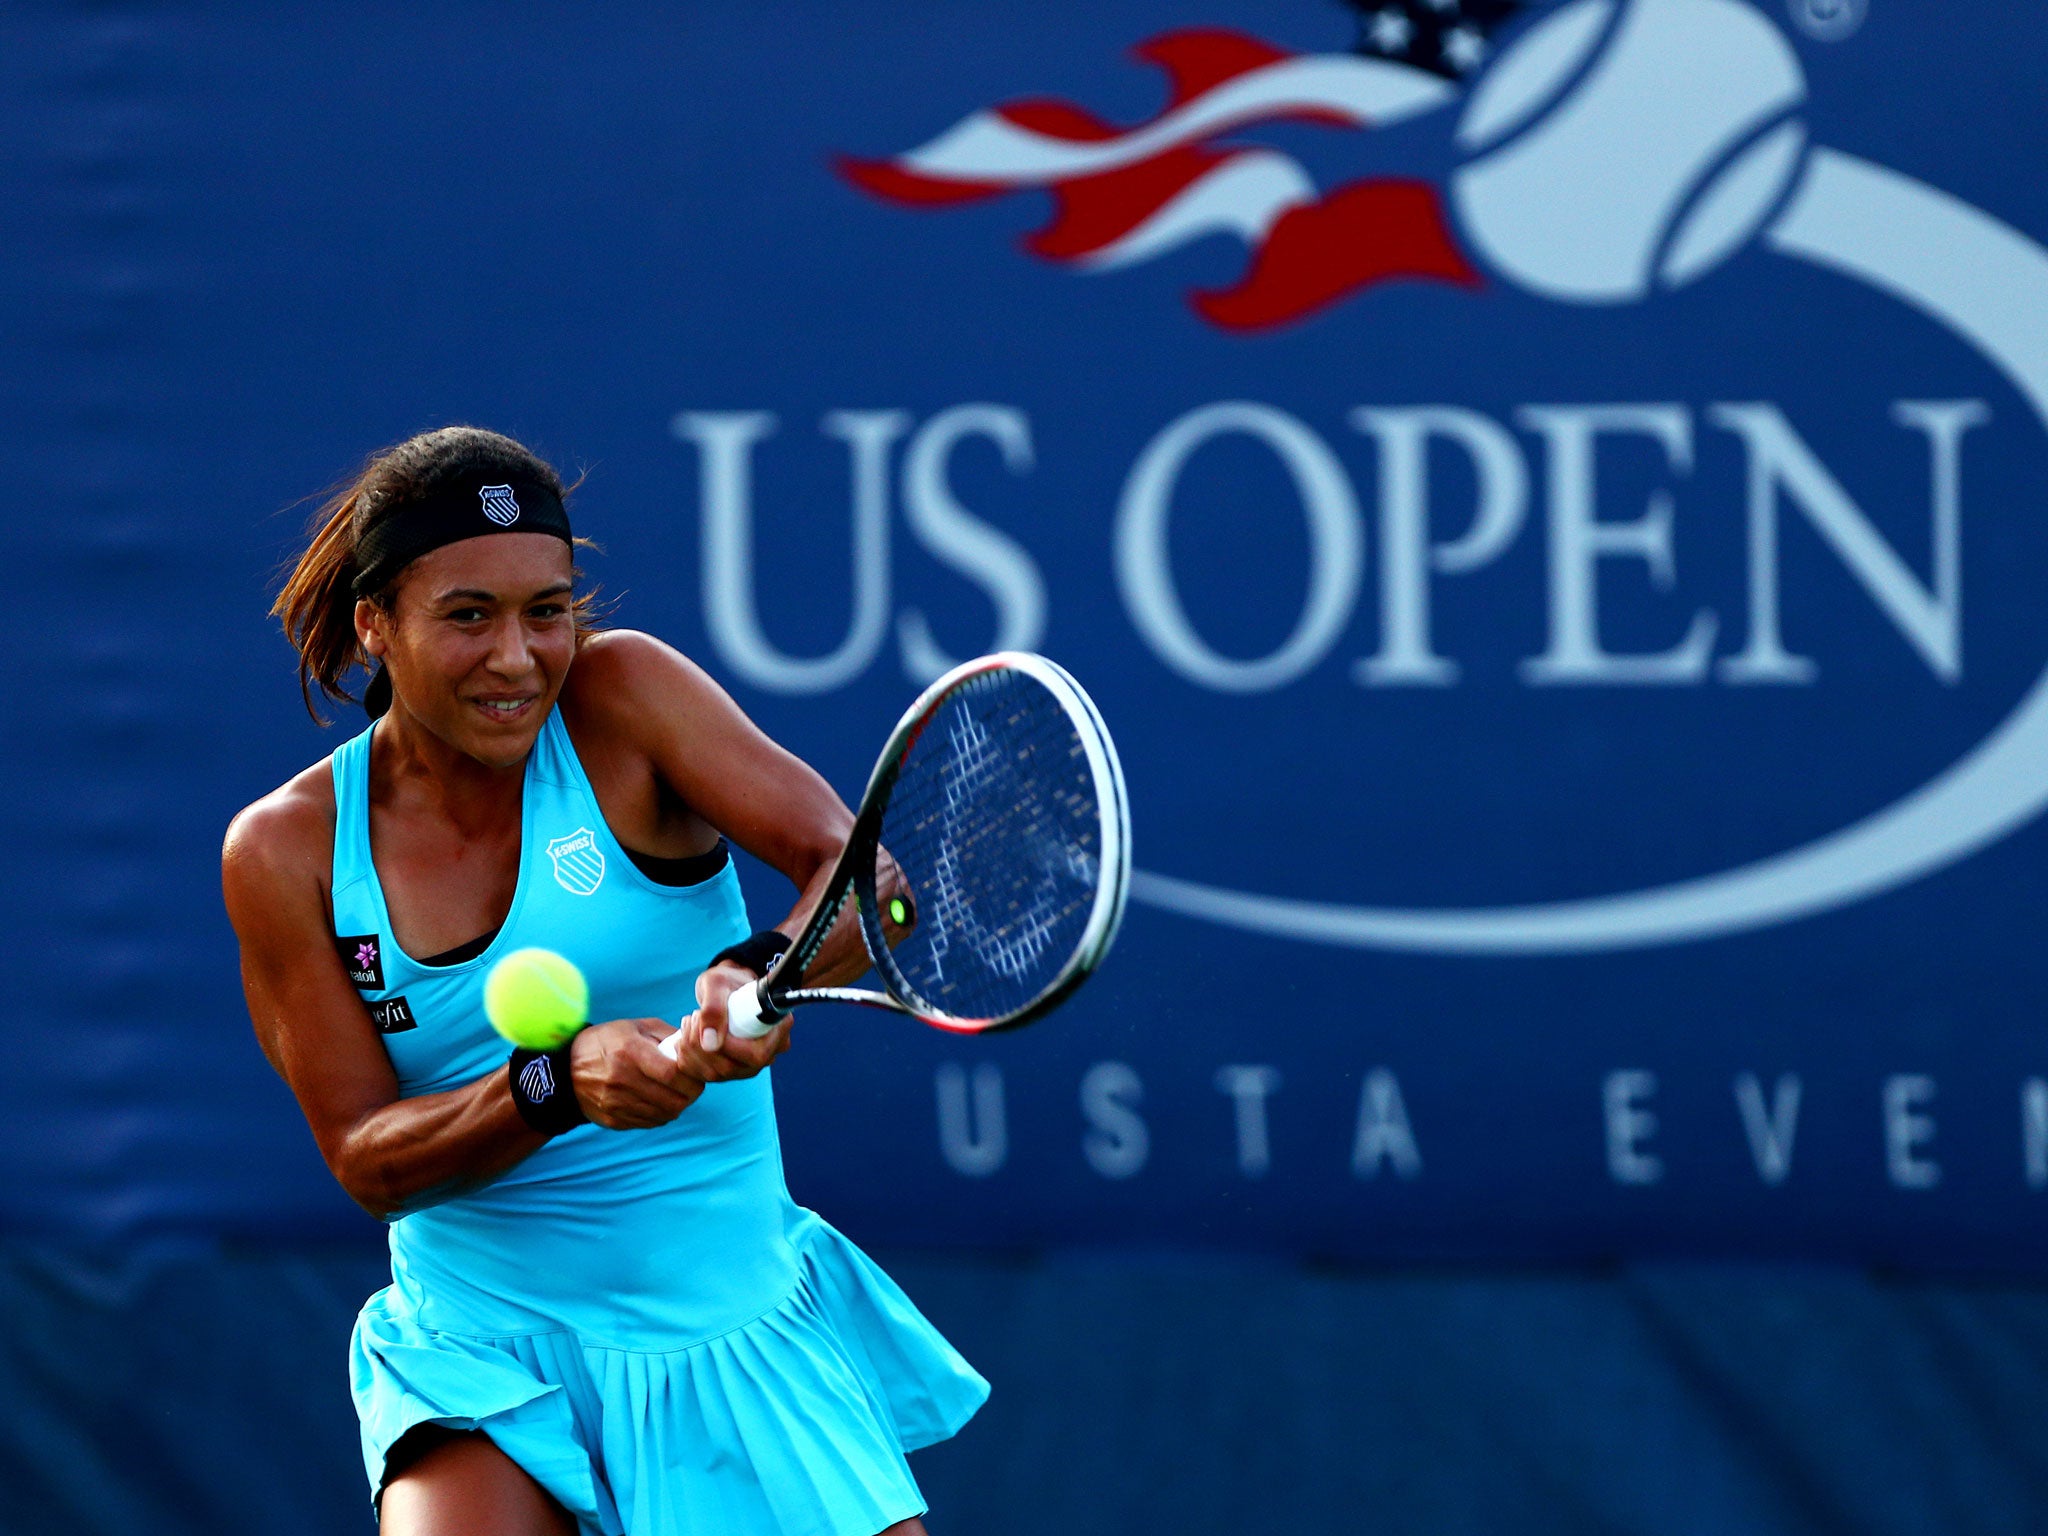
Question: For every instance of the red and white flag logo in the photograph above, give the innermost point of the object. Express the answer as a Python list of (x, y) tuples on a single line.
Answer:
[(1125, 195), (1612, 148)]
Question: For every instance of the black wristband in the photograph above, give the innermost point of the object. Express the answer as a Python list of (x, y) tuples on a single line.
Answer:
[(543, 1091), (757, 954)]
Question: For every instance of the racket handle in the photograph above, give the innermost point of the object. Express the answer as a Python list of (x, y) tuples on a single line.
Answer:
[(743, 1021), (743, 1013)]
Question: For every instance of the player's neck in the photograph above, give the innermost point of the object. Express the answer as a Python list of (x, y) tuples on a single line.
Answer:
[(410, 762)]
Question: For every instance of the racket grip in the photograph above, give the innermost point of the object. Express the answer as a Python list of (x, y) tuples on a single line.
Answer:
[(743, 1013), (743, 1021)]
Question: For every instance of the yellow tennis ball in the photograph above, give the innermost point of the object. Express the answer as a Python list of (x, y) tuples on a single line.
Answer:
[(535, 998)]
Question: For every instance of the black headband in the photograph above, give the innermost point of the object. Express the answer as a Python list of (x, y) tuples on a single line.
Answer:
[(458, 509)]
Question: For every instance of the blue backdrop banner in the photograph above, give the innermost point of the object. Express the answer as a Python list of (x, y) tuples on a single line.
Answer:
[(1547, 496)]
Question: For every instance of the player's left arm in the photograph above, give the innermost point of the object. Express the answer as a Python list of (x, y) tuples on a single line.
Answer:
[(642, 694)]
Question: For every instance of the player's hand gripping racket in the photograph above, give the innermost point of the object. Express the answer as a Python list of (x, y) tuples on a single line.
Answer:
[(1000, 800)]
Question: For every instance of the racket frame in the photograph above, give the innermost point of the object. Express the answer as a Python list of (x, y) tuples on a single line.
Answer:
[(853, 877)]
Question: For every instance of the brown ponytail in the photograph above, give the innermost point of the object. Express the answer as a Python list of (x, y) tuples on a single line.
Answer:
[(317, 603)]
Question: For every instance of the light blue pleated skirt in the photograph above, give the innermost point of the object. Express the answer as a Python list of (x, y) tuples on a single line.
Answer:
[(792, 1424)]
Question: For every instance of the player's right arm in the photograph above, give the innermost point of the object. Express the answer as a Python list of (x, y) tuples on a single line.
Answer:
[(391, 1154)]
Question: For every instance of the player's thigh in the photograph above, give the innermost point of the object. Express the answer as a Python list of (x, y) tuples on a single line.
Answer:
[(462, 1485), (911, 1527)]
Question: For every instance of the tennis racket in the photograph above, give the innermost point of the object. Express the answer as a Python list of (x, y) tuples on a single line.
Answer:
[(1001, 801)]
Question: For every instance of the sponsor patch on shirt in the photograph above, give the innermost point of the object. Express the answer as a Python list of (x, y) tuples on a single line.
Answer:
[(392, 1016), (363, 955)]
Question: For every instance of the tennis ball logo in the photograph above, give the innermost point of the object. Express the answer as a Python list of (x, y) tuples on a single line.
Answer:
[(1621, 147)]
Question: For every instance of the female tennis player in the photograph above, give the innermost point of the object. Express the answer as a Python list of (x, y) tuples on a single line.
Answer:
[(605, 1313)]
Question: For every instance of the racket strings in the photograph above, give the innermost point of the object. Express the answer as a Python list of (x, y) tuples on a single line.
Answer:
[(995, 822)]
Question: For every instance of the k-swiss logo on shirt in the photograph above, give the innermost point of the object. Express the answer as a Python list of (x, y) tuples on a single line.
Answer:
[(363, 955), (393, 1016), (500, 505), (579, 862)]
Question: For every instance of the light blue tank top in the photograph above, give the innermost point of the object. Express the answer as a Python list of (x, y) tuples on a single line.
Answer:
[(651, 1239)]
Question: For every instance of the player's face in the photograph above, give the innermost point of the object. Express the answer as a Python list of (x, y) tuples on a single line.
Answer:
[(478, 639)]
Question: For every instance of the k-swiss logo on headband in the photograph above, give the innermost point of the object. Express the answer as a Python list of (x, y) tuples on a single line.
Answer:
[(500, 505), (363, 956), (393, 1016), (579, 862)]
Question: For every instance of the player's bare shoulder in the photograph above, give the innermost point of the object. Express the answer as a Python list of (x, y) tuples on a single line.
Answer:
[(282, 845), (628, 685)]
